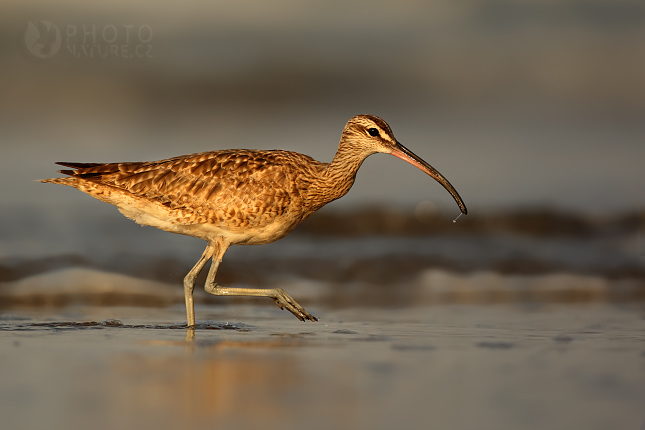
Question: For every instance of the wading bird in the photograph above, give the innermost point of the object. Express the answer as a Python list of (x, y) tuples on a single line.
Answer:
[(239, 196)]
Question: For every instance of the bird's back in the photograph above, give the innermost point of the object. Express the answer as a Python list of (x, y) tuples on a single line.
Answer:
[(249, 196)]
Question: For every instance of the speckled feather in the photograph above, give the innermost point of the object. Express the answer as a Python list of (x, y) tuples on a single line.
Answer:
[(230, 189)]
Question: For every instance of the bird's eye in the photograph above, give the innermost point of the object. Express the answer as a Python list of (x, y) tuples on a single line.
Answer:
[(373, 132)]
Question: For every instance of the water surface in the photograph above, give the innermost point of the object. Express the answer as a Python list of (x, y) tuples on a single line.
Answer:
[(253, 366)]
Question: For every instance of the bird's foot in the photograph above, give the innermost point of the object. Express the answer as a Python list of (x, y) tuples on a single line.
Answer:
[(285, 301)]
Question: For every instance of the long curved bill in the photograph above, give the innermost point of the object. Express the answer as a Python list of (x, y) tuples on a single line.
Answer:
[(405, 154)]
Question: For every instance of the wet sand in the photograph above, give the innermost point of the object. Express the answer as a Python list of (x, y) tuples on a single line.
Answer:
[(253, 366)]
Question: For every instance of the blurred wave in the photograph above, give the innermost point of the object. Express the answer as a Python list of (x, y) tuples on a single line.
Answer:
[(369, 256)]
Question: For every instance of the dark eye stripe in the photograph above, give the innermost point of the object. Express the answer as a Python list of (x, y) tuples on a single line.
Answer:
[(373, 132)]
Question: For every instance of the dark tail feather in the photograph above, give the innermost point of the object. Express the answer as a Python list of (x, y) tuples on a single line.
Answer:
[(77, 165), (88, 170)]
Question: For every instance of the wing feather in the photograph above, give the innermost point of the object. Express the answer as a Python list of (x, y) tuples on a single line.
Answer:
[(239, 186)]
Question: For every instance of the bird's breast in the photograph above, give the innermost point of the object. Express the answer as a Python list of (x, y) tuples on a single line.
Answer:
[(239, 234)]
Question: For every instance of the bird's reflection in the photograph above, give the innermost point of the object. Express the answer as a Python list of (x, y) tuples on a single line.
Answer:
[(216, 382)]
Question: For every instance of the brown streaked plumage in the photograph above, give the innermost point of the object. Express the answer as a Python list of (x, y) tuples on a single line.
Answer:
[(239, 196)]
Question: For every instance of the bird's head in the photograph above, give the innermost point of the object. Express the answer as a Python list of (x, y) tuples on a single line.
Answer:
[(369, 134)]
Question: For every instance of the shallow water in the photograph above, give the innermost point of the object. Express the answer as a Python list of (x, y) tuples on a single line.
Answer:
[(254, 366)]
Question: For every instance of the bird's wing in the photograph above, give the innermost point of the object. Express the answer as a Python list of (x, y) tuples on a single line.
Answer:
[(254, 186)]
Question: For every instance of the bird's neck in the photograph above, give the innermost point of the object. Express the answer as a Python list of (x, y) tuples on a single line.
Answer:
[(337, 179)]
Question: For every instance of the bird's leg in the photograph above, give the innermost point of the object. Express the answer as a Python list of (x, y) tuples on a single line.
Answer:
[(189, 283), (282, 299)]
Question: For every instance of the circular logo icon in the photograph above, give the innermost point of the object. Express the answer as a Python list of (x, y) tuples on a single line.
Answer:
[(42, 39)]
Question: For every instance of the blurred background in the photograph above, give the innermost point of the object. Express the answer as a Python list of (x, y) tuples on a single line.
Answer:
[(532, 109)]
